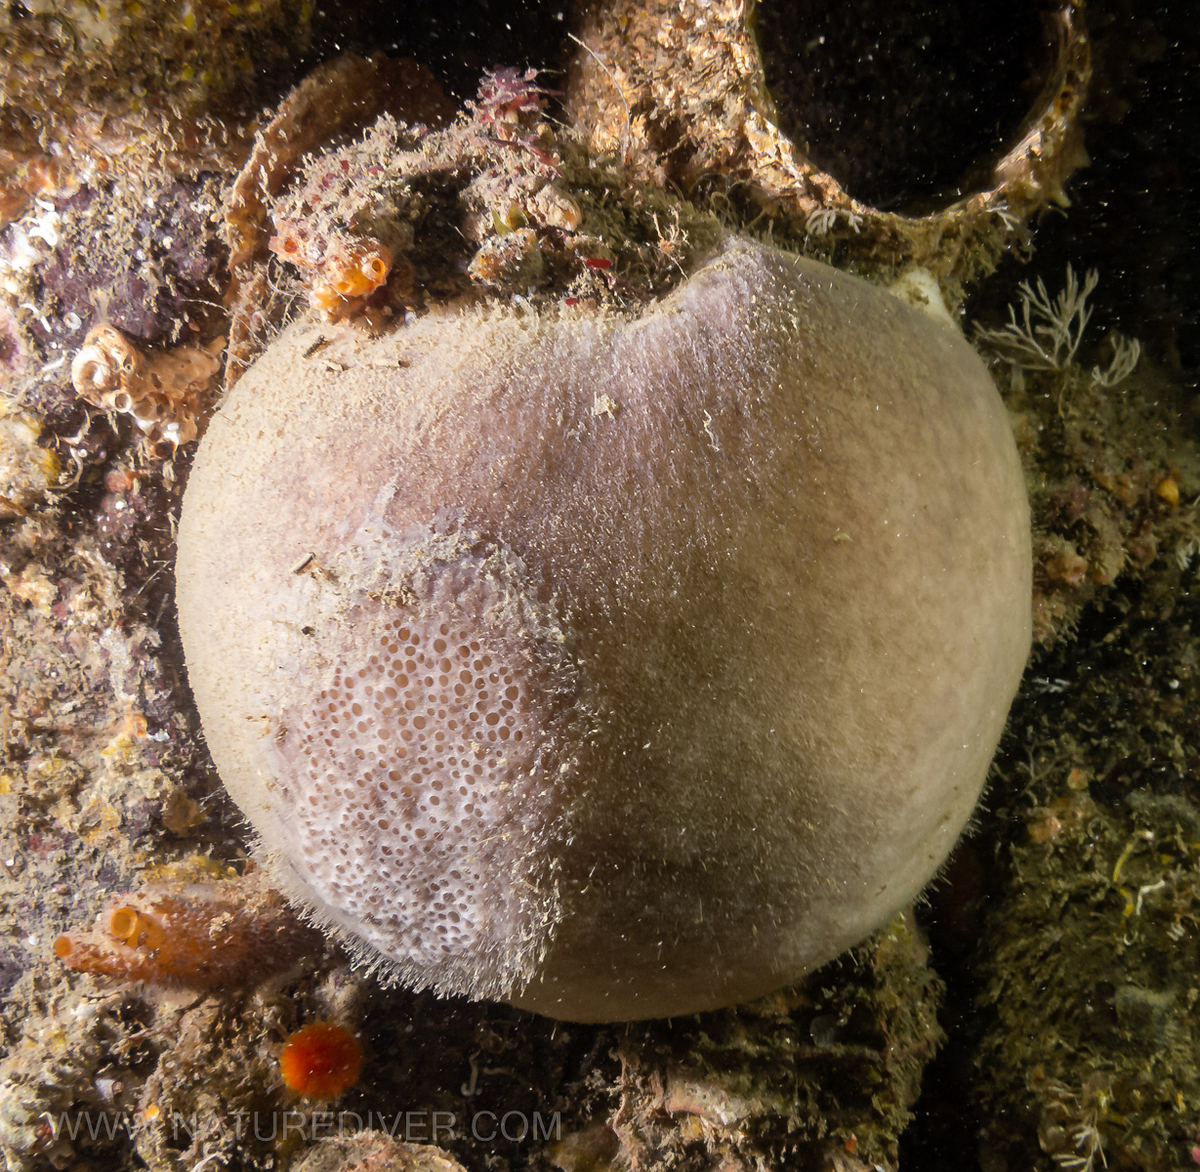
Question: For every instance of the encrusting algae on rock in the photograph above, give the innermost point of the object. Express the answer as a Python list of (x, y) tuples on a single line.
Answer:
[(611, 713)]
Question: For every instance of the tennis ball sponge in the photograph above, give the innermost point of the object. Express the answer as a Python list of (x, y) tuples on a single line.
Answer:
[(615, 667)]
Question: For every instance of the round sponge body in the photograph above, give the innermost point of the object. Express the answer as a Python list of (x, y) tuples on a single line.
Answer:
[(614, 667)]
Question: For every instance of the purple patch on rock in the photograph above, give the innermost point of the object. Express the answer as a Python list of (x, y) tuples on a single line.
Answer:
[(145, 289)]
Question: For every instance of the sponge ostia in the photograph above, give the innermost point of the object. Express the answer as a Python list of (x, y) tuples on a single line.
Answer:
[(612, 667)]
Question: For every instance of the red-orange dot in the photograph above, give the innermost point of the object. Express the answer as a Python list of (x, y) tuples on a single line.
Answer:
[(321, 1060), (62, 947)]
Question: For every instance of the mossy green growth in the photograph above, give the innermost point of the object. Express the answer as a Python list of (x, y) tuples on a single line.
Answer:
[(1088, 969), (820, 1074), (56, 59)]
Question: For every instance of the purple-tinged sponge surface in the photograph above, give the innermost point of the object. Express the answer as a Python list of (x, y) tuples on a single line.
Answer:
[(612, 667)]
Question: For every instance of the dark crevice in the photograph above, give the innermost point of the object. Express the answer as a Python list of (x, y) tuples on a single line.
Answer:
[(897, 98), (458, 39)]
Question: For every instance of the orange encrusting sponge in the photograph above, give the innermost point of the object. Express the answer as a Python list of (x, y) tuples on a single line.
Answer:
[(321, 1060), (204, 935)]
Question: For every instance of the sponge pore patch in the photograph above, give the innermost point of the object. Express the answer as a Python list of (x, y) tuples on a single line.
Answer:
[(409, 767)]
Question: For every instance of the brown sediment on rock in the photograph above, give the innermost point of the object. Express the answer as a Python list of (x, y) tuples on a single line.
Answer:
[(787, 1075), (679, 91), (1088, 921), (74, 54), (373, 1152), (91, 94), (28, 471), (92, 147)]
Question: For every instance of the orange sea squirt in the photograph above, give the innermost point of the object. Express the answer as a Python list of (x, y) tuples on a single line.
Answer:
[(227, 935), (321, 1060)]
